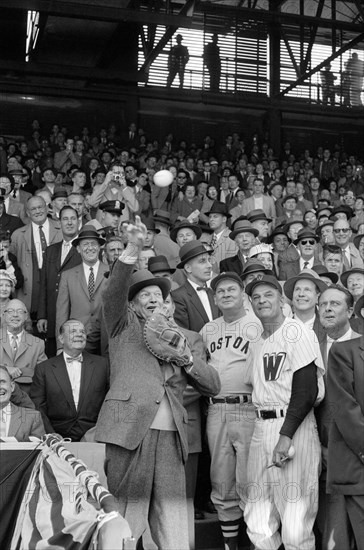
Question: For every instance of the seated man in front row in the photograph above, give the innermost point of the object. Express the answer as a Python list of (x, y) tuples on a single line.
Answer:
[(18, 422), (69, 389), (143, 421)]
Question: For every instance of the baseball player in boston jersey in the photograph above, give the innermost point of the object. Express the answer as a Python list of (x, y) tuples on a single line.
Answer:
[(284, 457), (231, 415)]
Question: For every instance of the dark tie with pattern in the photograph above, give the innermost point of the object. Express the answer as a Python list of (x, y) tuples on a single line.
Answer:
[(43, 242), (91, 283)]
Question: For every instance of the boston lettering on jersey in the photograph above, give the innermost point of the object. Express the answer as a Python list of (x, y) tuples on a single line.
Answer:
[(273, 364), (227, 341)]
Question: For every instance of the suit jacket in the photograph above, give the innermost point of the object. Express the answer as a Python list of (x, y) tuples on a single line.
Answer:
[(234, 264), (355, 258), (21, 246), (324, 412), (49, 282), (17, 209), (23, 196), (52, 394), (10, 223), (24, 423), (345, 383), (269, 206), (73, 301), (225, 248), (138, 380), (190, 313), (30, 352)]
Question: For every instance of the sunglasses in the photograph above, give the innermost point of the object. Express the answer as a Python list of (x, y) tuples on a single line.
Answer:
[(308, 241), (343, 230)]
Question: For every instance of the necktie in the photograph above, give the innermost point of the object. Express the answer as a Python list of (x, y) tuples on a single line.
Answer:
[(305, 264), (43, 242), (91, 283), (213, 241), (14, 193), (78, 358), (14, 345), (202, 288)]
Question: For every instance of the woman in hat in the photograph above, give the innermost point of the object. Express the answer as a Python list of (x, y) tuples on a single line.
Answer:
[(264, 253), (7, 287), (187, 207)]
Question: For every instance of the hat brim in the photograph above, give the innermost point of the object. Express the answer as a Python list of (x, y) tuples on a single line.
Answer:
[(334, 277), (357, 240), (306, 237), (289, 285), (226, 214), (77, 241), (230, 275), (195, 228), (236, 232), (345, 275), (358, 307), (161, 282), (254, 219), (193, 255), (162, 220)]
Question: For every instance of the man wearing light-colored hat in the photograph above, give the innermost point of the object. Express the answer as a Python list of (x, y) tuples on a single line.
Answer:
[(142, 420)]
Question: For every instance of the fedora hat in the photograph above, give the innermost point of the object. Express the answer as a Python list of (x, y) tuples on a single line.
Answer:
[(280, 230), (306, 275), (243, 226), (325, 224), (252, 265), (162, 216), (305, 233), (258, 214), (359, 306), (191, 250), (292, 222), (142, 278), (357, 240), (150, 225), (88, 232), (159, 263), (345, 275), (219, 208), (287, 197), (60, 194), (322, 270), (343, 208), (267, 280), (182, 225)]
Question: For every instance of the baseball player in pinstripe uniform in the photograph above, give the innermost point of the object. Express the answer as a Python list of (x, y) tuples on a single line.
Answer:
[(231, 415), (284, 378)]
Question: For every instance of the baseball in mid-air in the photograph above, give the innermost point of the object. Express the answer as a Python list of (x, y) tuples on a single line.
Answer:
[(163, 178), (291, 451)]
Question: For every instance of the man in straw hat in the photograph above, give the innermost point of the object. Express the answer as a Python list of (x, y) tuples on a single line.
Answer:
[(142, 420)]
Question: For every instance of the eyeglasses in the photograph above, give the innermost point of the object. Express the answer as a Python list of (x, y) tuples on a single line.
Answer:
[(15, 311), (308, 241), (344, 230)]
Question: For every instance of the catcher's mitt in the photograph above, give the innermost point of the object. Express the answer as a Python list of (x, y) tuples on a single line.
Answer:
[(166, 341)]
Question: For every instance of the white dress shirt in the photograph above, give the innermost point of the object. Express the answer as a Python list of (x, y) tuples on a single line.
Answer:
[(74, 369), (258, 203), (202, 294), (5, 416), (310, 263), (66, 247), (37, 243)]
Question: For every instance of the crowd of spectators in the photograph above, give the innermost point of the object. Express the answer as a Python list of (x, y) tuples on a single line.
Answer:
[(65, 202)]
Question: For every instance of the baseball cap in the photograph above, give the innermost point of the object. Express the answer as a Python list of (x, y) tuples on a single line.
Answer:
[(231, 275), (267, 280)]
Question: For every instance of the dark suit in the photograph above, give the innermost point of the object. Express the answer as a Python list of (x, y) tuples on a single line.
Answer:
[(22, 245), (232, 264), (24, 423), (52, 394), (10, 223), (49, 282), (190, 312), (345, 466)]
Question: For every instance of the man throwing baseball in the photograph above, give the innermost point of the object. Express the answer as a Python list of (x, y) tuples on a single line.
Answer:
[(284, 457), (143, 421)]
